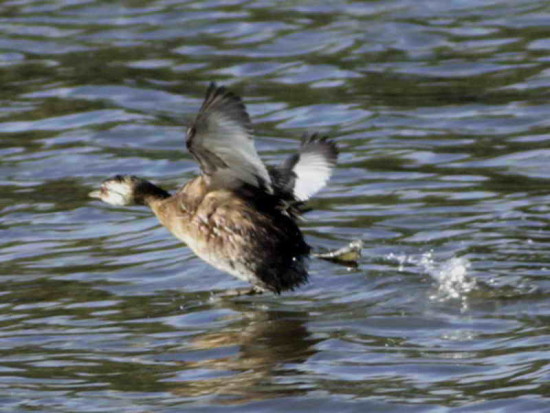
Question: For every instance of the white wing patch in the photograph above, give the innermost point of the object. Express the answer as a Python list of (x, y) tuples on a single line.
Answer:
[(313, 170)]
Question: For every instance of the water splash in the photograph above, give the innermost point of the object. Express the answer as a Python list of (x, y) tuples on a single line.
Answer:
[(453, 281)]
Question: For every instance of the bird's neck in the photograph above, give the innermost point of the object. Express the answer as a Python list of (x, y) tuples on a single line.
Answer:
[(150, 194)]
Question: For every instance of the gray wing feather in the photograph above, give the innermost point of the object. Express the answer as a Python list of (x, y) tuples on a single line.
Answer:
[(221, 141)]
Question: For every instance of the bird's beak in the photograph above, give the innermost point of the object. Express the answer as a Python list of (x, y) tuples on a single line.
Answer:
[(95, 194)]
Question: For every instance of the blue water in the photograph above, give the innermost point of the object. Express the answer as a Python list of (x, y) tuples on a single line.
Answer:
[(441, 112)]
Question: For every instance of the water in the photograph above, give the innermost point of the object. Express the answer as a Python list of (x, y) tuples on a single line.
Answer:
[(441, 112)]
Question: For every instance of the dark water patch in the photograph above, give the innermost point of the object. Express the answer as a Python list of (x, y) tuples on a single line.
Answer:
[(440, 111)]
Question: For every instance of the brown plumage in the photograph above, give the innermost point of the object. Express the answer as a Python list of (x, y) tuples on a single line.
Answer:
[(238, 215)]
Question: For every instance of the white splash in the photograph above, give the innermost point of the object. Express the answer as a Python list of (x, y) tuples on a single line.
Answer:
[(453, 281), (403, 260)]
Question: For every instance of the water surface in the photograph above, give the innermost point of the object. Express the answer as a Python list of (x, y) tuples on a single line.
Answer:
[(441, 112)]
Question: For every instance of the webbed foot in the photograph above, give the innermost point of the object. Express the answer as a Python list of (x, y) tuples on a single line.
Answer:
[(348, 255)]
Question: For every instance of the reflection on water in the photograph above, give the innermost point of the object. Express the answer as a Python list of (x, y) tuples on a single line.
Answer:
[(261, 345), (441, 112)]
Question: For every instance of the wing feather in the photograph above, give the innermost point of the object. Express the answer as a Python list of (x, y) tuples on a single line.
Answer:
[(221, 141), (306, 172)]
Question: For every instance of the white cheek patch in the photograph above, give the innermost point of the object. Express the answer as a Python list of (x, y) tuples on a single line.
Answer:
[(117, 193), (115, 198)]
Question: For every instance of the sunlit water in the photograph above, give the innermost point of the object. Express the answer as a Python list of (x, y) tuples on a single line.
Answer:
[(441, 110)]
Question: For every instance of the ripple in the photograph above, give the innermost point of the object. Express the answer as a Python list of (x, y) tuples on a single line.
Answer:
[(69, 121), (440, 114)]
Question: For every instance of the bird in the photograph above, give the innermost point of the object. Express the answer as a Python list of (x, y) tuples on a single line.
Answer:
[(239, 215)]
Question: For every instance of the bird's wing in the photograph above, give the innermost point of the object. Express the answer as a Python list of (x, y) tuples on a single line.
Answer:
[(221, 141), (310, 169)]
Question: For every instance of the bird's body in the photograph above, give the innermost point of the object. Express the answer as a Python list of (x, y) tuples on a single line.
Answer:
[(255, 243), (238, 215)]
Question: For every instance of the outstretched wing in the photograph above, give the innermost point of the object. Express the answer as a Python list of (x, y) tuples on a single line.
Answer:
[(306, 172), (221, 141)]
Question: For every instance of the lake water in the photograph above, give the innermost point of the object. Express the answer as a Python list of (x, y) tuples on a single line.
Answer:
[(441, 110)]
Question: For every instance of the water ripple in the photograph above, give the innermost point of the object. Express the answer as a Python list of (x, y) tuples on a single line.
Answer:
[(440, 112)]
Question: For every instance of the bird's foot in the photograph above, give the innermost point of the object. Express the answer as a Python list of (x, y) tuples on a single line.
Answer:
[(237, 292), (348, 255)]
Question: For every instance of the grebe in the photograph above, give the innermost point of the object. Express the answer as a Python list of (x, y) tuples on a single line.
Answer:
[(239, 215)]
